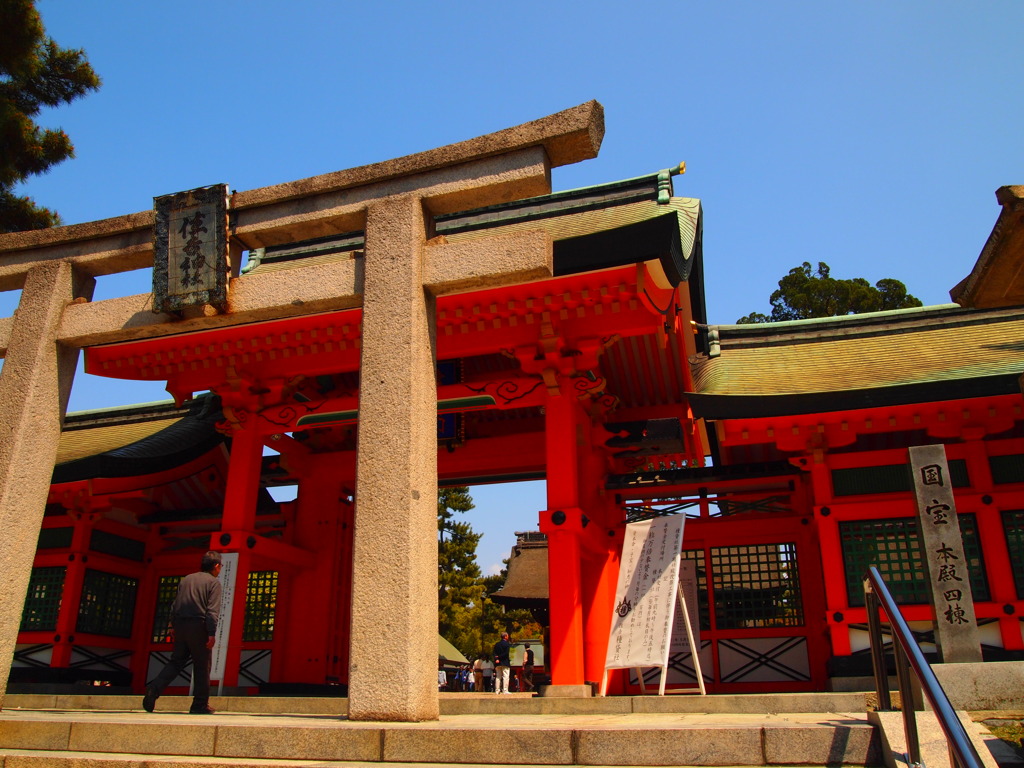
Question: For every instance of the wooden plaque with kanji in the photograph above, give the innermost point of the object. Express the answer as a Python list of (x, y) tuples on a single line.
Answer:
[(190, 265)]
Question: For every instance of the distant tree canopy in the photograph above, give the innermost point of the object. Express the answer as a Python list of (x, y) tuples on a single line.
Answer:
[(459, 587), (805, 293), (34, 73)]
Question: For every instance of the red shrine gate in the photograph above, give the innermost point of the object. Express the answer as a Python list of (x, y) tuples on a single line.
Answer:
[(527, 376), (587, 378)]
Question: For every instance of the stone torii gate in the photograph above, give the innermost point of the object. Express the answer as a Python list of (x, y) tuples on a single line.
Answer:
[(394, 594)]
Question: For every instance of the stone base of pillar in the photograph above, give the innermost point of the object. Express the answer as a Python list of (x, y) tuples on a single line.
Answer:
[(566, 691), (983, 685)]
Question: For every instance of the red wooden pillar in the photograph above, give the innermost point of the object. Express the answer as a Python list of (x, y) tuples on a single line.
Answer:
[(243, 481), (565, 607), (315, 642), (601, 573), (145, 613), (562, 524), (339, 638), (992, 539), (831, 554), (239, 522), (71, 595)]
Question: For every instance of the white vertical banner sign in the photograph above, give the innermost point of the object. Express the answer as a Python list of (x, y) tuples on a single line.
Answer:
[(645, 598), (228, 575)]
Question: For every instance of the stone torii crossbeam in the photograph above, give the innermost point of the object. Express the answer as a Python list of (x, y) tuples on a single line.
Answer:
[(394, 591)]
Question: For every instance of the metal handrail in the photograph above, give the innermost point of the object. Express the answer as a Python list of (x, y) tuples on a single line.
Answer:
[(962, 753)]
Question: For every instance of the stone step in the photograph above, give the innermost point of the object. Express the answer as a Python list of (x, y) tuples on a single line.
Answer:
[(993, 752), (636, 739), (473, 704), (42, 759)]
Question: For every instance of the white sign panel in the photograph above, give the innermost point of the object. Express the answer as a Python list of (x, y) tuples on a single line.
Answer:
[(688, 585), (228, 574), (645, 597)]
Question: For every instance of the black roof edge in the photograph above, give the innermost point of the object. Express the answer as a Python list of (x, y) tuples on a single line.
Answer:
[(651, 239), (695, 275)]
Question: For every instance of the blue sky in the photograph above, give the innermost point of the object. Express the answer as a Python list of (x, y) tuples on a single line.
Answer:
[(869, 135)]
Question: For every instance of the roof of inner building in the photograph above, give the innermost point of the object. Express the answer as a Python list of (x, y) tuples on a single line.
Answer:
[(859, 361), (527, 579), (79, 443), (136, 440), (997, 279)]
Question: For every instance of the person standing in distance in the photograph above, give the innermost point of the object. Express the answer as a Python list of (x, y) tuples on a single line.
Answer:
[(487, 670), (527, 667), (478, 674), (501, 663), (194, 616)]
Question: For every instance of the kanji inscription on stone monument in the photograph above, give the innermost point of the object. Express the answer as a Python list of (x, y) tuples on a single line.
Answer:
[(956, 631), (190, 264)]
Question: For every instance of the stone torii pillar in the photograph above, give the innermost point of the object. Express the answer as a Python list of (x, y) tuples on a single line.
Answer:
[(394, 586), (34, 391), (394, 580)]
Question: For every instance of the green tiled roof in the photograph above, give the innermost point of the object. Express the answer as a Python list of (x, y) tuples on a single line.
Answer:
[(883, 357), (135, 440), (81, 443)]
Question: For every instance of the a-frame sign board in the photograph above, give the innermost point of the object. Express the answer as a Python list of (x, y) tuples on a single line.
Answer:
[(692, 640), (646, 595)]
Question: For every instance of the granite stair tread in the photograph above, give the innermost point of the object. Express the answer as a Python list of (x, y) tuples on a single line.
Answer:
[(522, 739), (53, 759)]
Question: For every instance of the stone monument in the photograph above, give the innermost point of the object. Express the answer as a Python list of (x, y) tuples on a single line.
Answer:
[(942, 547)]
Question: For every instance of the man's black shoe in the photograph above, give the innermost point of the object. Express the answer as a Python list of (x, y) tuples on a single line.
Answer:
[(149, 700), (207, 710)]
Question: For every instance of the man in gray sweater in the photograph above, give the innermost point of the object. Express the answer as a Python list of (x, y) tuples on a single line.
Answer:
[(194, 616)]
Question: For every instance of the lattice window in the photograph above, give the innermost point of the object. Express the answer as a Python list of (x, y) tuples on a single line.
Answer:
[(894, 547), (166, 591), (42, 601), (1013, 526), (260, 606), (107, 606), (756, 586)]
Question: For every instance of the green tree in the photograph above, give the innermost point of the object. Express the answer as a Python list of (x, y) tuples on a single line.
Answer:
[(34, 73), (466, 615), (460, 590), (805, 293)]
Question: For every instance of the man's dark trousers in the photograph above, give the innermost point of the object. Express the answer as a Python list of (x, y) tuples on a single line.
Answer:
[(190, 638)]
